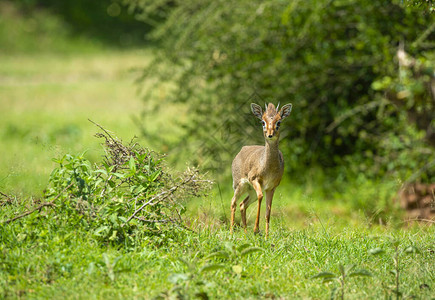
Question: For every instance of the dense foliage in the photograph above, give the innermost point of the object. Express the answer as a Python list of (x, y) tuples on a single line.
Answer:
[(326, 57)]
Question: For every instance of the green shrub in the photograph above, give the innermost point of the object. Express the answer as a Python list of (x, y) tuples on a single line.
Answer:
[(127, 196), (322, 56)]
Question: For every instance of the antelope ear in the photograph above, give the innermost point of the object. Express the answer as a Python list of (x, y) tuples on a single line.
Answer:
[(285, 111), (257, 111)]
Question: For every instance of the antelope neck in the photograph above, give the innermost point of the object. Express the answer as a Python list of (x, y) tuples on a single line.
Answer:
[(271, 152)]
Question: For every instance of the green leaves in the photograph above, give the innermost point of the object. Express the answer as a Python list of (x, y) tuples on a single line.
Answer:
[(132, 165), (376, 251), (411, 249), (212, 267), (111, 266), (229, 260), (233, 256), (178, 277), (250, 250), (344, 272), (361, 272), (408, 250), (237, 269), (326, 276), (395, 243)]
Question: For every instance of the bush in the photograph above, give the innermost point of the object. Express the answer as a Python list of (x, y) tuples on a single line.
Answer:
[(128, 195)]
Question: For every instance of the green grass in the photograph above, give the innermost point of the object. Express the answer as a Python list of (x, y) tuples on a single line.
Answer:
[(66, 264)]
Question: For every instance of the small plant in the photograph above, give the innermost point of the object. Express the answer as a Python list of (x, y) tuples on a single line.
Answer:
[(232, 255), (395, 288), (110, 266), (189, 281), (345, 272)]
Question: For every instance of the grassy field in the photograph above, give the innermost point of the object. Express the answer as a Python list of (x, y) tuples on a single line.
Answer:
[(46, 101), (68, 264)]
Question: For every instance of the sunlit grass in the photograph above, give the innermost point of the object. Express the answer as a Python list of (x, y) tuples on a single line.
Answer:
[(73, 265)]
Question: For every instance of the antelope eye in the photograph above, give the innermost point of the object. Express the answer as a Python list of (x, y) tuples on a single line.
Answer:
[(278, 124), (264, 124)]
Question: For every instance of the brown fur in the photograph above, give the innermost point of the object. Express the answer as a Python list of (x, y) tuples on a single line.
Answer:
[(259, 168)]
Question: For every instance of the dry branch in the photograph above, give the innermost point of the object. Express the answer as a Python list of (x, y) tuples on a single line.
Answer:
[(162, 196), (51, 203), (7, 200)]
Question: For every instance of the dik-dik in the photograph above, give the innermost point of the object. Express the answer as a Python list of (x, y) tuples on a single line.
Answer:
[(258, 169)]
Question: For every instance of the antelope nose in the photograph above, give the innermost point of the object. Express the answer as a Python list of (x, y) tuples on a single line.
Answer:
[(270, 136)]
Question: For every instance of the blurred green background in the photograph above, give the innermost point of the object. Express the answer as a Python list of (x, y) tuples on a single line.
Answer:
[(180, 75), (62, 63)]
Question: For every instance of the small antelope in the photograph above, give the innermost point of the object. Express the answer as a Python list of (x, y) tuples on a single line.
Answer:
[(257, 168)]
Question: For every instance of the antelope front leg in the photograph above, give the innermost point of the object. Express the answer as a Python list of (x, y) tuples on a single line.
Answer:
[(237, 194), (269, 197), (257, 189), (233, 212), (243, 205)]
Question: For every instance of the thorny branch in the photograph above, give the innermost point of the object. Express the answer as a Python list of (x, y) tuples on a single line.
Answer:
[(108, 134)]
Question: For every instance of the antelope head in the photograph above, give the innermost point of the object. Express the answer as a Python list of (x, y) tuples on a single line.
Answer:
[(271, 118)]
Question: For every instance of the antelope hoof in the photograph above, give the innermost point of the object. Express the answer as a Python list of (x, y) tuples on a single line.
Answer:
[(257, 232)]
